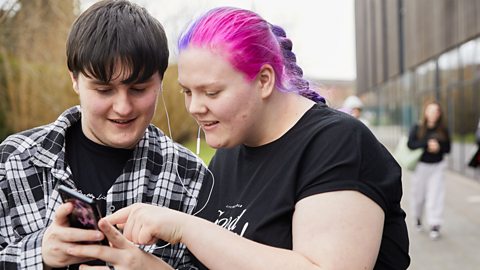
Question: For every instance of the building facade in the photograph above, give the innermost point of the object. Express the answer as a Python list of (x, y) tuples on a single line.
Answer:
[(409, 51)]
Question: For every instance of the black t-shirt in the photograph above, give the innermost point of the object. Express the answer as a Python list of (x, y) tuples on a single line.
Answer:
[(256, 188), (94, 167)]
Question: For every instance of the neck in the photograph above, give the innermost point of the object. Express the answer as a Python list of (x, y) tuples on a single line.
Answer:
[(282, 111)]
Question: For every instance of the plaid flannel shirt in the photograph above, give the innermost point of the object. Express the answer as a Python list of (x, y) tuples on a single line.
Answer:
[(32, 165)]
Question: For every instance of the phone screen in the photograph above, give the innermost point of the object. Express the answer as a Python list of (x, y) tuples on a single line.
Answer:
[(85, 213)]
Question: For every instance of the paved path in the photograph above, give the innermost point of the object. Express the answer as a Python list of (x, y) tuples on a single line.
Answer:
[(459, 245)]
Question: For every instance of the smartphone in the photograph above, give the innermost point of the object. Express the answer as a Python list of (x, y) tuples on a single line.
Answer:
[(85, 214)]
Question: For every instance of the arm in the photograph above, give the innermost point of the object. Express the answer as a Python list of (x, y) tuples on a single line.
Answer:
[(446, 144), (332, 230), (21, 220), (436, 145), (24, 254), (16, 251), (413, 141), (346, 234), (339, 230), (477, 134)]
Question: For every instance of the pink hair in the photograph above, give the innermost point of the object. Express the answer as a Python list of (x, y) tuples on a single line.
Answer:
[(248, 42)]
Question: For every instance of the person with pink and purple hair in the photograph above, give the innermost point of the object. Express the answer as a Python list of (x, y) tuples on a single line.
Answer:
[(298, 185)]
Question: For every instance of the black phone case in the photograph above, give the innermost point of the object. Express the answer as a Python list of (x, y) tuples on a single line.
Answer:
[(85, 214)]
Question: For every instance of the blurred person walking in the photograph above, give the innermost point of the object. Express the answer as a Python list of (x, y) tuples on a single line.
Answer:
[(475, 159), (428, 183), (354, 106)]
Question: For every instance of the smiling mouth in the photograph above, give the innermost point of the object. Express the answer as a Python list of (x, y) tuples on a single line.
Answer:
[(207, 124), (122, 121)]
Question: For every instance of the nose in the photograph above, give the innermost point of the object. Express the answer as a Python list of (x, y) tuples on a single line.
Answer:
[(122, 104), (195, 104)]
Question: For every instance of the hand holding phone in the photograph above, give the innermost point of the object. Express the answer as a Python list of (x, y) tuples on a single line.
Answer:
[(85, 213)]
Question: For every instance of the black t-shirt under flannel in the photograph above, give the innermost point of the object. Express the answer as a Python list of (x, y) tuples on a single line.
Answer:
[(94, 167)]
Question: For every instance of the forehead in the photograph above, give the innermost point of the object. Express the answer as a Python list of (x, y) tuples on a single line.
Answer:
[(122, 70), (203, 66), (121, 74), (433, 107)]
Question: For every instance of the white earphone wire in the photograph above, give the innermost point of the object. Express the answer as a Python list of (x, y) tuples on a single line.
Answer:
[(152, 247)]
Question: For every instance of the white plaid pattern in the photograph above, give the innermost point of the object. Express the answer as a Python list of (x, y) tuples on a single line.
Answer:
[(32, 165)]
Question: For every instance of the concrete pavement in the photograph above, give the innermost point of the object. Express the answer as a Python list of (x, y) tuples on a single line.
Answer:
[(459, 244), (458, 248)]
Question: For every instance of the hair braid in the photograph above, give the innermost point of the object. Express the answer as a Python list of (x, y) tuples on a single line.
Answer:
[(294, 74)]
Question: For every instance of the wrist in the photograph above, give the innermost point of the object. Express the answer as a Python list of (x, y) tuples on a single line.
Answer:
[(190, 225)]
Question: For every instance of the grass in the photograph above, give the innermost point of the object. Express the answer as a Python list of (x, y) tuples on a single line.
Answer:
[(206, 152), (467, 138)]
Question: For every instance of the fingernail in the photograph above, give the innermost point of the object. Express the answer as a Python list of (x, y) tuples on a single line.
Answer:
[(99, 235)]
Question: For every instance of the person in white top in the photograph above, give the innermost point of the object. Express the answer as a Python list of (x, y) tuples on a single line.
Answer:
[(354, 106)]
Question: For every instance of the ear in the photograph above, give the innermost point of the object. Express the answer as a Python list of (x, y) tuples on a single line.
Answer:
[(74, 82), (266, 80)]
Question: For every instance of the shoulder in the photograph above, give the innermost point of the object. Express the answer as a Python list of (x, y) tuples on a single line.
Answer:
[(413, 130), (332, 125), (21, 146), (20, 142), (415, 127), (325, 115), (48, 138), (338, 136)]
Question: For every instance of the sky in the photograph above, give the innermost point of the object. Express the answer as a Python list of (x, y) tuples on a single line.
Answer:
[(322, 31)]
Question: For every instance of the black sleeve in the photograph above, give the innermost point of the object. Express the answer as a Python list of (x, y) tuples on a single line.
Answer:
[(477, 133), (413, 141), (445, 145), (347, 156)]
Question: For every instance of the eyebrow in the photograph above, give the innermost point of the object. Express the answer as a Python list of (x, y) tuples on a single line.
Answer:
[(201, 86), (149, 79), (100, 82), (96, 81)]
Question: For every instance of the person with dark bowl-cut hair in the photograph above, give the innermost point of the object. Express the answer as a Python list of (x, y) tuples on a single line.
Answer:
[(105, 148)]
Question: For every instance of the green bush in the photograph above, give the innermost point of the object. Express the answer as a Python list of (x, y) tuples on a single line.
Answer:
[(206, 152)]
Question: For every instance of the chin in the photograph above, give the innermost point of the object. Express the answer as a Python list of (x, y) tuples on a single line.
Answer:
[(125, 144), (215, 145)]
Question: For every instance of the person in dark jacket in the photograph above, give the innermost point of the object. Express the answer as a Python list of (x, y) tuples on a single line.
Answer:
[(428, 183), (475, 159)]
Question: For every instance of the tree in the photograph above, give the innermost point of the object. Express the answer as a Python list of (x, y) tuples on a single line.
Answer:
[(34, 83)]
